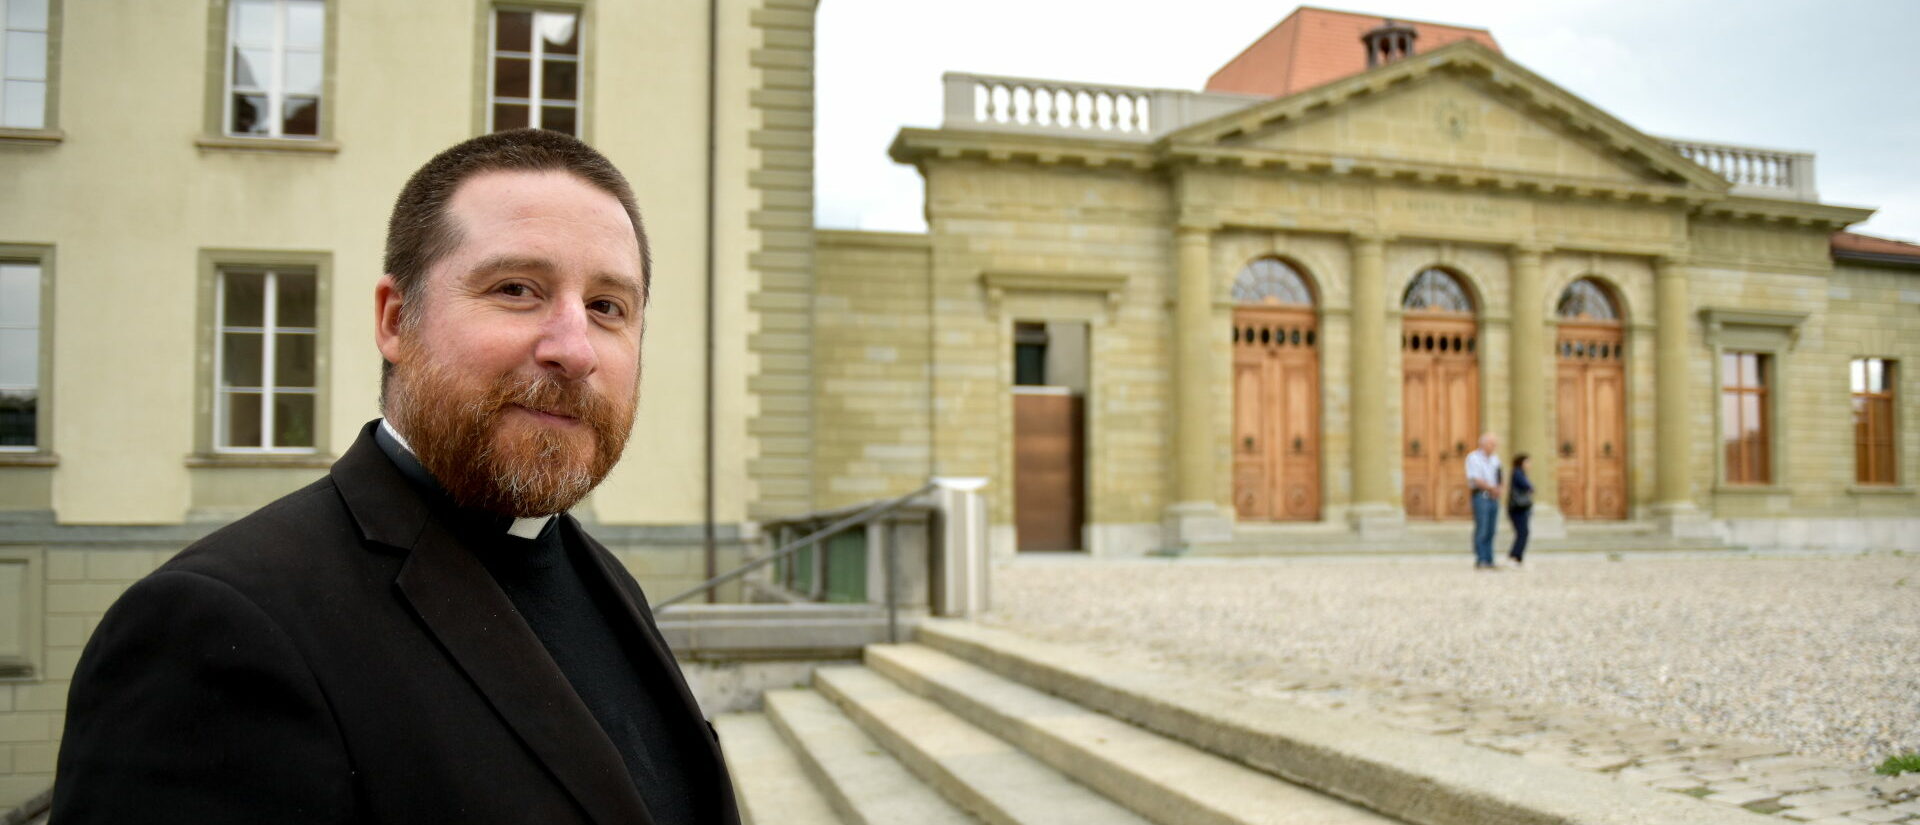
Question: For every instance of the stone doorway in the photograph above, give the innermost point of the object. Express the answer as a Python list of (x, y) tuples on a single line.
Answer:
[(1590, 400), (1276, 395), (1440, 393)]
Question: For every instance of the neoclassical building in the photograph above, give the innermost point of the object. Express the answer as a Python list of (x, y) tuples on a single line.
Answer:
[(1279, 313)]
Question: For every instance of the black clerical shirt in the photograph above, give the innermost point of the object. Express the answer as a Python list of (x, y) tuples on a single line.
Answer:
[(549, 580)]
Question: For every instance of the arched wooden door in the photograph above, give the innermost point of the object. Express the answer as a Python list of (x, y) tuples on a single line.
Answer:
[(1440, 394), (1590, 400), (1276, 395)]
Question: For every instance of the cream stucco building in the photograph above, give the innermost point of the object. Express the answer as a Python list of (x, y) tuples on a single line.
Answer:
[(194, 208)]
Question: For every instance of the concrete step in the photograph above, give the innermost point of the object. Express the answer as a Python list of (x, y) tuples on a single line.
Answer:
[(773, 788), (1167, 781), (983, 774), (860, 781), (1402, 774)]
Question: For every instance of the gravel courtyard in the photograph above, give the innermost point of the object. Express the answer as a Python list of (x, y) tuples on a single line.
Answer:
[(1819, 654)]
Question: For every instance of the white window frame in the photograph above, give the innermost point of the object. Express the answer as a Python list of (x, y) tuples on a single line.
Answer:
[(536, 77), (45, 79), (39, 333), (275, 89), (270, 331)]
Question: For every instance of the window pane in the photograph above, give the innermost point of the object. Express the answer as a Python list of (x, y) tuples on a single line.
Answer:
[(295, 292), (26, 55), (303, 73), (292, 420), (560, 80), (302, 116), (1876, 376), (246, 297), (19, 295), (26, 104), (240, 359), (513, 31), (252, 69), (1730, 369), (306, 23), (511, 78), (19, 415), (560, 32), (1750, 370), (249, 114), (1857, 374), (242, 411), (1750, 417), (293, 359), (253, 22), (509, 116), (1730, 416), (19, 357), (557, 118), (27, 14)]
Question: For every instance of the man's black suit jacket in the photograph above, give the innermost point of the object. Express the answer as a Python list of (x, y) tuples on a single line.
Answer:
[(339, 657)]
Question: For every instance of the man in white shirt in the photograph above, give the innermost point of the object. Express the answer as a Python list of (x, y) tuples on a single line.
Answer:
[(1483, 477)]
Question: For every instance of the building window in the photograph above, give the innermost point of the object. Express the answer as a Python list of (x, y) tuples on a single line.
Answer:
[(19, 356), (265, 357), (23, 64), (1030, 354), (535, 71), (275, 67), (1872, 380), (1744, 377)]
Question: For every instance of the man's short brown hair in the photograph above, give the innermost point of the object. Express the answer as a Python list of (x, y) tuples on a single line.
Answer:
[(420, 233)]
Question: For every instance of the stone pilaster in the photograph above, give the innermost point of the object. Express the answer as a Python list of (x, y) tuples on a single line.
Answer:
[(1374, 448), (1673, 495), (1195, 516), (1528, 387)]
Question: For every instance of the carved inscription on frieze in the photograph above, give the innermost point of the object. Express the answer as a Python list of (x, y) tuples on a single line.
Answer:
[(1436, 209)]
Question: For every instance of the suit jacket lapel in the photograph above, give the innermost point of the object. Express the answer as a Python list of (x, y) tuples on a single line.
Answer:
[(461, 605), (639, 621)]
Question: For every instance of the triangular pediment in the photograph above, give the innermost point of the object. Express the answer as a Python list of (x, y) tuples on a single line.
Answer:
[(1463, 106)]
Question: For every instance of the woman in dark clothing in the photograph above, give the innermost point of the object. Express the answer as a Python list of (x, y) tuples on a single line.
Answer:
[(1520, 508)]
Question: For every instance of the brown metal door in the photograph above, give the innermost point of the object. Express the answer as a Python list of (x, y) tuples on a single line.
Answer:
[(1048, 457), (1591, 407), (1440, 394), (1276, 418)]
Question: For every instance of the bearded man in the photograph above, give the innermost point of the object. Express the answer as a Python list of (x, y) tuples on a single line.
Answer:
[(425, 635)]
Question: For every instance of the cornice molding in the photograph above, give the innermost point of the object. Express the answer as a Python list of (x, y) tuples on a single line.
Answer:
[(1108, 285)]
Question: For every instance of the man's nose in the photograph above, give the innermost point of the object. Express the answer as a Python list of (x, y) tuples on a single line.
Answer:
[(564, 347)]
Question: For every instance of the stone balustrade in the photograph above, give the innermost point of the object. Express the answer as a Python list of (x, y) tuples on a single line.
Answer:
[(1752, 170), (1130, 113), (1019, 104)]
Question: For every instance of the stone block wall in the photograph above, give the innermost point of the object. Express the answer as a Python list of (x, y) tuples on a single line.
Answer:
[(872, 340), (1074, 225)]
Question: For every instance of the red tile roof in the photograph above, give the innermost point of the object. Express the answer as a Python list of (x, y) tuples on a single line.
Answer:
[(1855, 246), (1314, 46)]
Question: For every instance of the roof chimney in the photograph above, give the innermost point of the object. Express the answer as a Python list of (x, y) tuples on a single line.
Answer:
[(1389, 41)]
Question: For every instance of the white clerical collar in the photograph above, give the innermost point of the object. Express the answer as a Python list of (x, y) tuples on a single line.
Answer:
[(523, 528)]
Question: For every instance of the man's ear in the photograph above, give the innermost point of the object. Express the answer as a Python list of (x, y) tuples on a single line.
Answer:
[(386, 318)]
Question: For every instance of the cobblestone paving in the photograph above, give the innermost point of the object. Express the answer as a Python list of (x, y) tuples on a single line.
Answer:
[(1271, 629)]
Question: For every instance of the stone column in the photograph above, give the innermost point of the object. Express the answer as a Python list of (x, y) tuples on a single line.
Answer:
[(1375, 449), (1673, 497), (1195, 517), (1528, 387)]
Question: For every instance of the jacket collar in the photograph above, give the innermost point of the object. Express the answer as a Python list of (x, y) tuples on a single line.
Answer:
[(461, 605)]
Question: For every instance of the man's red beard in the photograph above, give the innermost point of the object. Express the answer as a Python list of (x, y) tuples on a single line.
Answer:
[(521, 470)]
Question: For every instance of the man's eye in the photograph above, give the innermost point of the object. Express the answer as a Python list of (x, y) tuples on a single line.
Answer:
[(515, 290), (605, 307)]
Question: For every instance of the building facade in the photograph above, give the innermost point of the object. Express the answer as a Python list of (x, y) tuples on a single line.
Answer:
[(1298, 302), (194, 208)]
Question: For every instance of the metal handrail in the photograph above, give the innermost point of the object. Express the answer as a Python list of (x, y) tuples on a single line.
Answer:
[(811, 539)]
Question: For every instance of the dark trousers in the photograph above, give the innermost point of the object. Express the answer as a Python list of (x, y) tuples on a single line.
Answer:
[(1521, 518)]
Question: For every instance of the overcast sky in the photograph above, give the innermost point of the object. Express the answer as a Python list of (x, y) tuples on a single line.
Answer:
[(1839, 79)]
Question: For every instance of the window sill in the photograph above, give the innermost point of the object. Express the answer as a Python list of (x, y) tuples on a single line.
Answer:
[(246, 144), (24, 459), (32, 137), (1750, 490), (270, 460), (1880, 490)]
